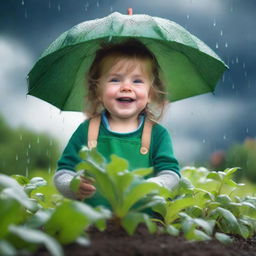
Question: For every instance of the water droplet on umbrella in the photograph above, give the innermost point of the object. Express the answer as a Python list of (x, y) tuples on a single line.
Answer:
[(217, 46)]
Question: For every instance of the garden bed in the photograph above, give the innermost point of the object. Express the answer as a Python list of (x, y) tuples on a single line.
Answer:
[(116, 242)]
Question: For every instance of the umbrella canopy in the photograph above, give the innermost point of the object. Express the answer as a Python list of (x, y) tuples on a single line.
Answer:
[(188, 66)]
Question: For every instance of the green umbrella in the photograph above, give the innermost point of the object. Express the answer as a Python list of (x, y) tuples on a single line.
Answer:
[(189, 67)]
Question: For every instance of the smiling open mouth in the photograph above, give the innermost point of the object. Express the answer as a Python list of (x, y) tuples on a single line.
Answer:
[(125, 99)]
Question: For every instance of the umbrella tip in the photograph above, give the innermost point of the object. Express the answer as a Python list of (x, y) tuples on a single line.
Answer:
[(129, 11)]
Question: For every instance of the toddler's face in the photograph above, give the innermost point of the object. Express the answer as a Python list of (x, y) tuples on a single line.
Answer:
[(125, 87)]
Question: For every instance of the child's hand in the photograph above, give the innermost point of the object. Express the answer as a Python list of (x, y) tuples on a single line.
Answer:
[(86, 189)]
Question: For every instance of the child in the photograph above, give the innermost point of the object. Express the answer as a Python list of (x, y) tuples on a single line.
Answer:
[(125, 99)]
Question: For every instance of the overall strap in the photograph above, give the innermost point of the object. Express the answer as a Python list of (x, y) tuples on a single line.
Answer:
[(93, 132)]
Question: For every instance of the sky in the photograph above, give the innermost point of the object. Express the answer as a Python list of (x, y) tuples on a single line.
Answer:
[(199, 125)]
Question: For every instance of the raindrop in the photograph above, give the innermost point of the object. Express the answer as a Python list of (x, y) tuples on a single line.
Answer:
[(223, 78), (233, 86), (17, 157), (217, 46), (221, 33), (26, 171), (203, 140), (50, 142), (21, 137), (245, 73), (243, 65), (27, 153), (226, 45), (49, 170), (59, 7), (111, 8), (188, 16), (98, 4), (49, 4), (214, 22), (110, 38), (22, 2), (224, 137), (28, 161), (26, 14), (247, 130), (38, 140), (29, 145), (237, 60)]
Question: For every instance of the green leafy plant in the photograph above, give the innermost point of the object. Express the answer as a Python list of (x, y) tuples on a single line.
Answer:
[(127, 192), (26, 225)]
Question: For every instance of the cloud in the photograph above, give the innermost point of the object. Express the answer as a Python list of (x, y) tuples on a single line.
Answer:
[(200, 124), (21, 110)]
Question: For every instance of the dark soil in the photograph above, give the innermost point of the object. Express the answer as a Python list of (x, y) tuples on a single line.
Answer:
[(115, 242)]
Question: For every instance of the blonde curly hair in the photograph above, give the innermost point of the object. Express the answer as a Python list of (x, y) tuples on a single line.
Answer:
[(130, 49)]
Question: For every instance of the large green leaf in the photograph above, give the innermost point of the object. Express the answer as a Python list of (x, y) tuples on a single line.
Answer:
[(103, 183), (229, 220), (59, 224), (20, 196), (37, 237), (136, 193), (132, 219), (223, 238), (7, 249), (11, 212), (174, 208)]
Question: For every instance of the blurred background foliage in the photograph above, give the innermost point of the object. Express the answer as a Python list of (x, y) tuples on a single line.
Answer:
[(23, 151), (238, 155)]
